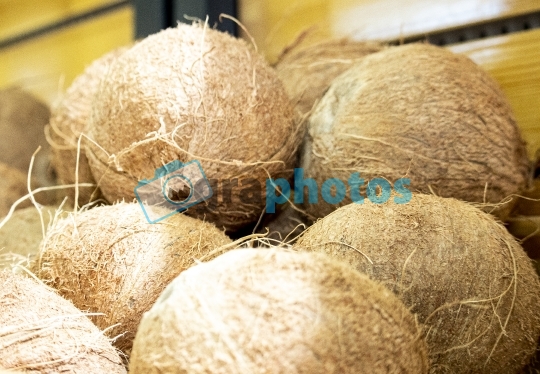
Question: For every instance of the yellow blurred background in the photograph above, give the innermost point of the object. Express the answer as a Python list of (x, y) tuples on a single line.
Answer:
[(46, 65), (513, 59)]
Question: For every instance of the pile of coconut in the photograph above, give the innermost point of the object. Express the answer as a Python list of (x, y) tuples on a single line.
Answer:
[(378, 176)]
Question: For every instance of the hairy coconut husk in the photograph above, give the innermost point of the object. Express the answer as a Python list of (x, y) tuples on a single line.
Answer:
[(275, 311), (22, 233), (110, 260), (22, 120), (193, 93), (41, 332), (420, 112), (69, 120), (307, 72), (458, 269)]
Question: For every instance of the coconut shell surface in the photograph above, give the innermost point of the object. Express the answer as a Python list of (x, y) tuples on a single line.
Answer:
[(454, 266), (42, 332), (69, 120), (419, 112), (274, 311), (22, 120), (110, 260), (307, 72), (193, 93)]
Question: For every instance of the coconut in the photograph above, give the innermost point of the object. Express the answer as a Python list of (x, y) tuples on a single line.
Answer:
[(193, 93), (110, 260), (21, 234), (22, 120), (275, 311), (69, 120), (420, 112), (459, 270), (307, 72), (43, 333)]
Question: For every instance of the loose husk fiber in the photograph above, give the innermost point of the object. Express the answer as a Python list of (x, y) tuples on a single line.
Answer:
[(419, 112), (285, 225), (110, 260), (194, 93), (40, 332), (275, 311), (459, 270)]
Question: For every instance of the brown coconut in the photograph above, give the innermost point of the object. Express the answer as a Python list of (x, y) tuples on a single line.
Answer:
[(307, 72), (194, 93), (460, 272), (22, 120), (41, 332), (420, 112), (69, 121), (274, 311), (21, 235), (110, 260)]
